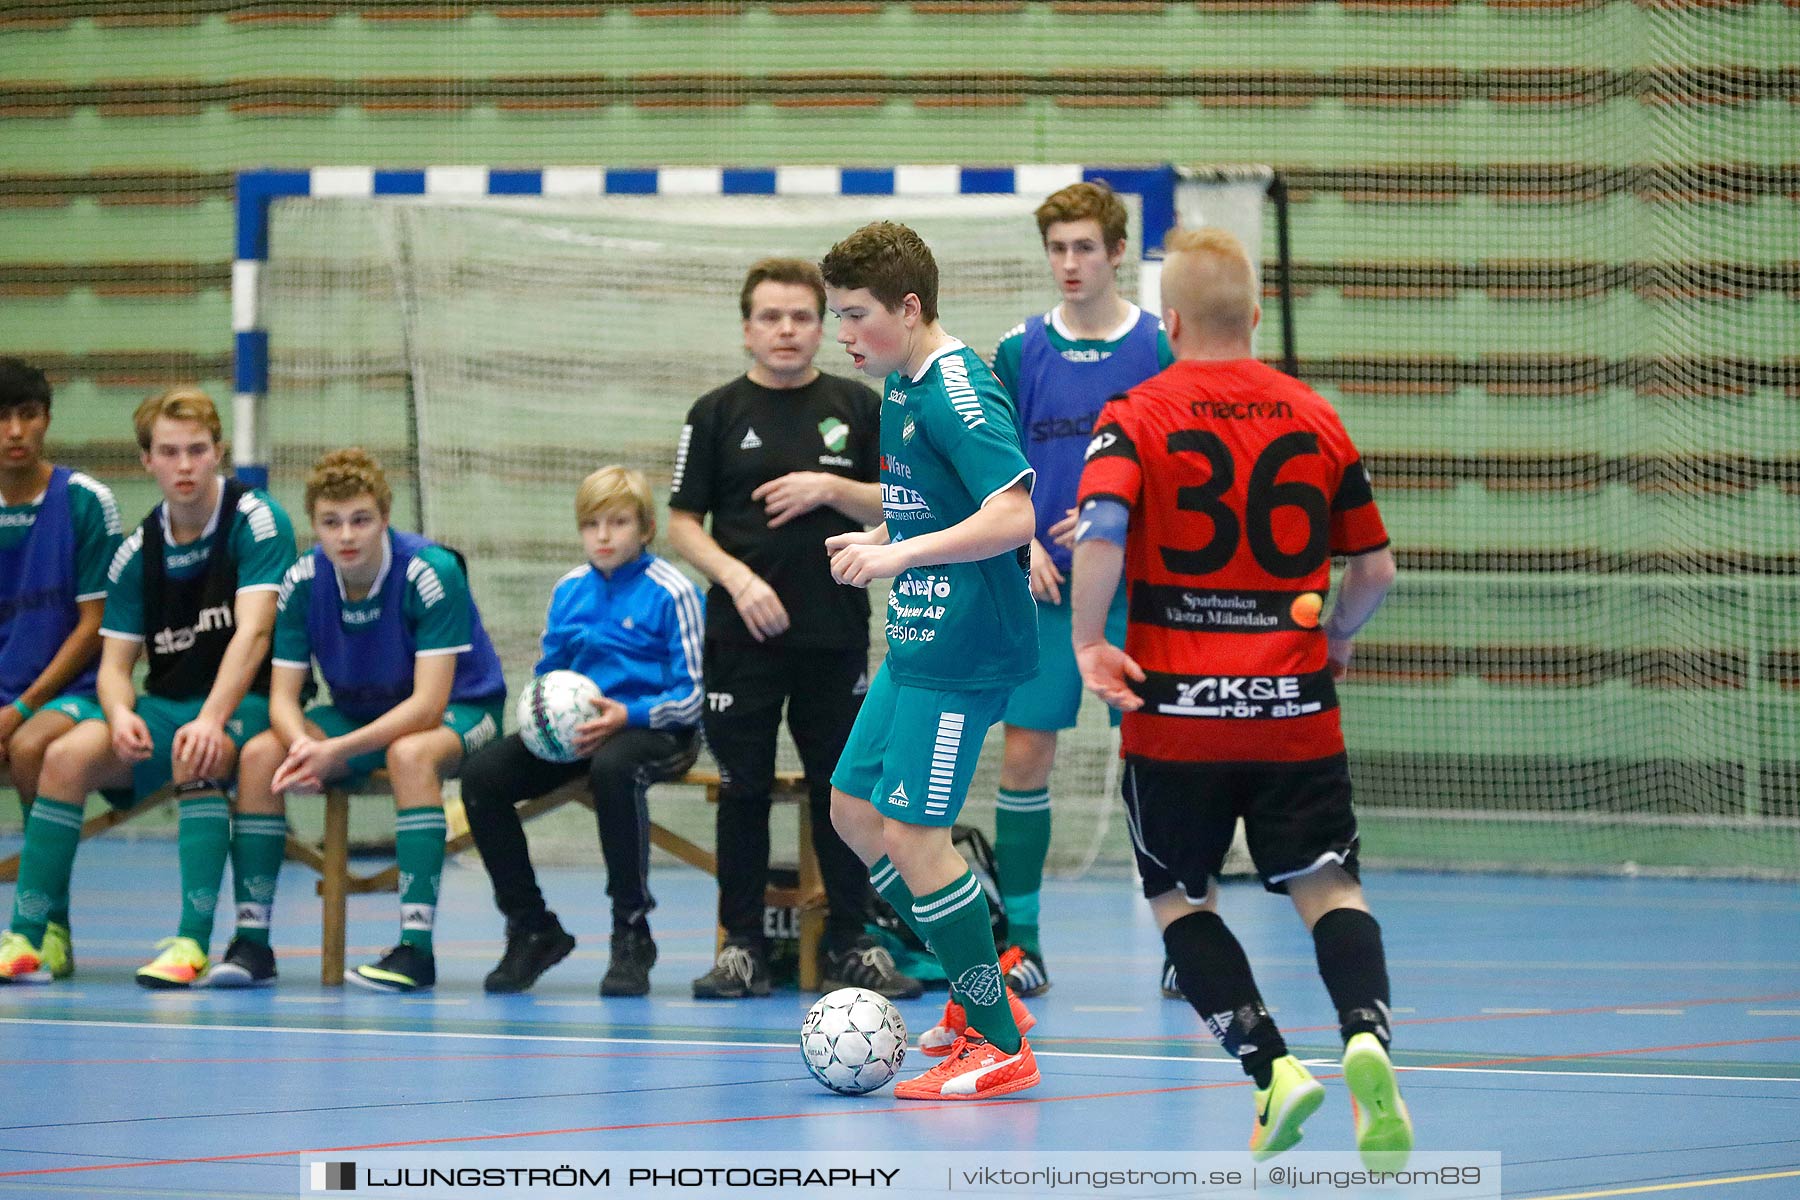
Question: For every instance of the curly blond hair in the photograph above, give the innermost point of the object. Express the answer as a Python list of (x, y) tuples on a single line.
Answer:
[(346, 474)]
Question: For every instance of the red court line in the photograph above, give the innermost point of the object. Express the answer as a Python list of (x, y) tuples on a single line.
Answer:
[(1472, 1017), (920, 1108), (710, 1052)]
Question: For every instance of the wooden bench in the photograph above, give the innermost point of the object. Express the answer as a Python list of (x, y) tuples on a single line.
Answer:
[(337, 882)]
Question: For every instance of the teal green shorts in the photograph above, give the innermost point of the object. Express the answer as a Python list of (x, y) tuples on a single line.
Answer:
[(165, 717), (1051, 701), (77, 708), (912, 751), (475, 724)]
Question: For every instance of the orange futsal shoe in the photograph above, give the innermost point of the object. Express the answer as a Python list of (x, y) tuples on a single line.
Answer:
[(941, 1038), (976, 1069)]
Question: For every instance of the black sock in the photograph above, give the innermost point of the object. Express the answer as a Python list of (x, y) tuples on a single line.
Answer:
[(1215, 977), (1354, 967)]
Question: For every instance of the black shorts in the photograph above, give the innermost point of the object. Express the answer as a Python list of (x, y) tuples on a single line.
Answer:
[(1182, 816)]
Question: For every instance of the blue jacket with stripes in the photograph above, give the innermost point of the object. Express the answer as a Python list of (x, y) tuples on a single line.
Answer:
[(638, 634)]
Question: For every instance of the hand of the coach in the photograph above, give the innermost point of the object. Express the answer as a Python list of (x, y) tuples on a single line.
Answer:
[(764, 614), (1105, 669), (857, 559), (201, 745), (609, 719), (1063, 532), (1046, 579), (795, 494), (304, 769), (130, 737)]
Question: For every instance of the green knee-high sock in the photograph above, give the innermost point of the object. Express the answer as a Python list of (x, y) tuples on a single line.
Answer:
[(203, 843), (419, 847), (258, 844), (52, 832), (885, 877), (1021, 844), (59, 907), (959, 930)]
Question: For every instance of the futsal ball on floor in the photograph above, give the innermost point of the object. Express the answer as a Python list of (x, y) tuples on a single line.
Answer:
[(853, 1041), (551, 707)]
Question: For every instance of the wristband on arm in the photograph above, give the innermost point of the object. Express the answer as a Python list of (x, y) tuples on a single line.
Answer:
[(1105, 519)]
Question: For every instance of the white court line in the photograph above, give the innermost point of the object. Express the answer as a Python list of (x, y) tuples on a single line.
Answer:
[(1775, 1012), (449, 1035), (1601, 1074), (565, 1039), (142, 1026)]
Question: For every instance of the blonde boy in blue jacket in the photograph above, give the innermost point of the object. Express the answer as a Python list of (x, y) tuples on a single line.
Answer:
[(633, 624)]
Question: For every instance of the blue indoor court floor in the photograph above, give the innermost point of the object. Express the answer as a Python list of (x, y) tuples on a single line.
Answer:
[(1607, 1037)]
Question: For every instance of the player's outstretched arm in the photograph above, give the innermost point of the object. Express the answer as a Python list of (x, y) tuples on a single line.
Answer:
[(1004, 523), (1364, 585), (1106, 670)]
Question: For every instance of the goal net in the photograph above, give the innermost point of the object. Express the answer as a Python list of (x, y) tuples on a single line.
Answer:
[(492, 350)]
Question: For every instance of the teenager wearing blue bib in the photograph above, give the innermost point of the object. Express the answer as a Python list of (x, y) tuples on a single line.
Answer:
[(1060, 367), (58, 531), (415, 687)]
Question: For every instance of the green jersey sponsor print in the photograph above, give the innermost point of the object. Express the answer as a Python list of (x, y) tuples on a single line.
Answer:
[(949, 443), (261, 536)]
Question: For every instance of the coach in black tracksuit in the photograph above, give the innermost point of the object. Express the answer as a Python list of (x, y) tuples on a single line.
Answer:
[(783, 457)]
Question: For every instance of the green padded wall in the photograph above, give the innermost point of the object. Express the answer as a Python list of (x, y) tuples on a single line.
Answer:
[(1547, 264)]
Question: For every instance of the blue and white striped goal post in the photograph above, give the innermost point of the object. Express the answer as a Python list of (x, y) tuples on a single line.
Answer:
[(258, 190)]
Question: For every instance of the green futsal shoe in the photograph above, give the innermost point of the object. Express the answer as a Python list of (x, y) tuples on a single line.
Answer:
[(1384, 1132), (59, 952), (1292, 1096), (182, 961)]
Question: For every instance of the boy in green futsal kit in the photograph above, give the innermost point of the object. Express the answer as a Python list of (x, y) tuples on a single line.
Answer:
[(193, 587), (962, 633)]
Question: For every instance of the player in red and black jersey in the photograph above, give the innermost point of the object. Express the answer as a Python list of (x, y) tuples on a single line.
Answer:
[(1224, 488)]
